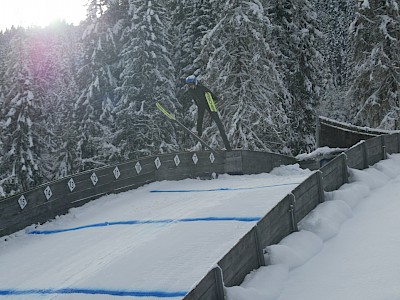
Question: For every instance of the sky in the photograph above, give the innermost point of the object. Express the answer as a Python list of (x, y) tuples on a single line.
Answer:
[(27, 13), (159, 240)]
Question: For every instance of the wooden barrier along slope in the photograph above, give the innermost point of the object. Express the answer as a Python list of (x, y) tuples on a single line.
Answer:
[(334, 134), (55, 198)]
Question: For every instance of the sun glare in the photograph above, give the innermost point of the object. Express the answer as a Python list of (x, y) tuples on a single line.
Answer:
[(27, 13)]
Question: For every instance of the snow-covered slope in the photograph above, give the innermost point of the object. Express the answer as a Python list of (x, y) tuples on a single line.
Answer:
[(156, 241)]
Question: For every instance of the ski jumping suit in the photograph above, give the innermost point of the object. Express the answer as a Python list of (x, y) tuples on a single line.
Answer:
[(200, 94)]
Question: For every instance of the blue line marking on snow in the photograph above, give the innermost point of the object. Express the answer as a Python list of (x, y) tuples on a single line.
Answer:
[(222, 189), (120, 293), (141, 222)]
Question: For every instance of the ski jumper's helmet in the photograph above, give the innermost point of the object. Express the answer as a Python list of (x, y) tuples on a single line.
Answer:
[(191, 79)]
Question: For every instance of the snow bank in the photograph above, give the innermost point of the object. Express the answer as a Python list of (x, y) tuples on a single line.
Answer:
[(292, 170), (390, 167), (351, 193), (266, 283), (294, 250), (325, 220), (324, 152), (371, 176)]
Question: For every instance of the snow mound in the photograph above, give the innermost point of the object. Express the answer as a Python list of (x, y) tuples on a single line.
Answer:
[(351, 193), (290, 170), (371, 176), (390, 167), (294, 250), (324, 152), (265, 283), (394, 157), (326, 219)]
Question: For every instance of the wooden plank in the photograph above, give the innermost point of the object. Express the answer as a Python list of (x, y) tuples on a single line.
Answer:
[(62, 198), (333, 173), (391, 143), (335, 134), (240, 260), (305, 185), (207, 288), (36, 198), (307, 196), (307, 202), (9, 207), (39, 209), (202, 166), (332, 136), (234, 163), (350, 127), (374, 150), (355, 157), (276, 224), (263, 162)]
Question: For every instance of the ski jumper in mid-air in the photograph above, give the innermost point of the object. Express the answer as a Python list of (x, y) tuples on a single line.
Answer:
[(204, 99)]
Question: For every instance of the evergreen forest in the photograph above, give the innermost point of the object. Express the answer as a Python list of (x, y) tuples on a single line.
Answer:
[(73, 98)]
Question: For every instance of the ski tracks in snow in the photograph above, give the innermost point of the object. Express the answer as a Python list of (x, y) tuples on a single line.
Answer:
[(166, 257)]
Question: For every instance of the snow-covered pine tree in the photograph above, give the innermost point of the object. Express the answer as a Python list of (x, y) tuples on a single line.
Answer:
[(297, 39), (147, 78), (375, 90), (97, 81), (22, 133), (242, 71), (3, 50), (64, 49), (334, 19), (4, 43), (191, 21)]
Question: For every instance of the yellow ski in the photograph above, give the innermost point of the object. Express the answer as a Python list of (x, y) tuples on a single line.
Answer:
[(162, 109), (172, 119), (210, 102)]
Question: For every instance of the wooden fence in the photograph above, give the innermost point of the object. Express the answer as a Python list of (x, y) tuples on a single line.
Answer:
[(248, 255), (56, 198), (342, 135)]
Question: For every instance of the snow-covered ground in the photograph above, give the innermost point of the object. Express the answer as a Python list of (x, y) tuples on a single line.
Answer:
[(347, 248), (156, 241)]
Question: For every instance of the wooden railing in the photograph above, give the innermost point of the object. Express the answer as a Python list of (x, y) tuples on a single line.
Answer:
[(342, 135), (57, 197)]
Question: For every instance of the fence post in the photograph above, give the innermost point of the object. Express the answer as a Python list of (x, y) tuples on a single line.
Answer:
[(260, 253), (398, 142), (345, 168), (365, 155), (219, 283), (321, 193), (292, 211), (384, 154), (318, 132)]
